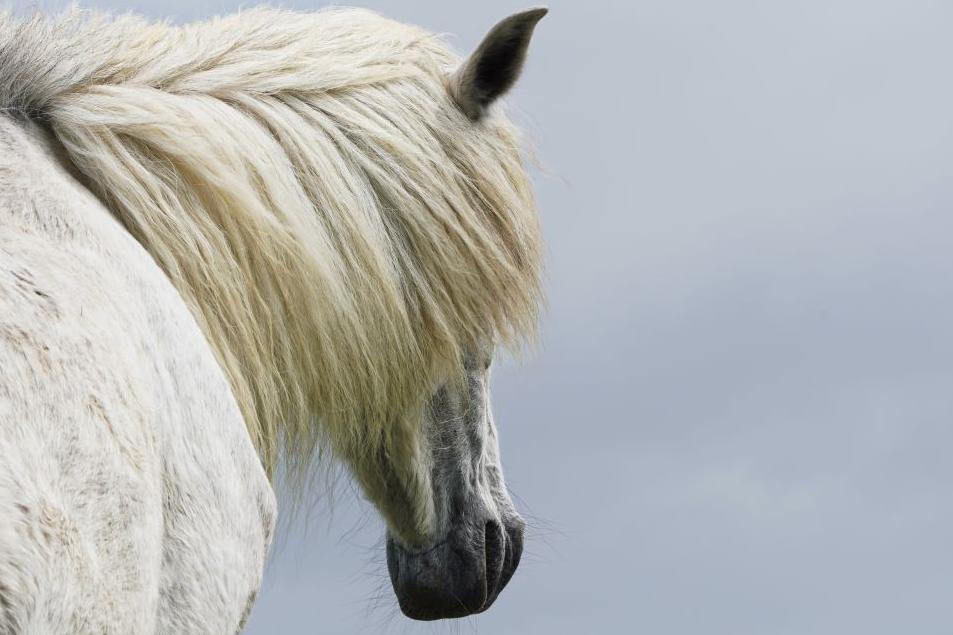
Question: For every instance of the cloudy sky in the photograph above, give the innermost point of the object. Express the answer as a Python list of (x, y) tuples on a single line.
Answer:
[(740, 416)]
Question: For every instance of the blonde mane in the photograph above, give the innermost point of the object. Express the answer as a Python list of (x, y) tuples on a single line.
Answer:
[(339, 229)]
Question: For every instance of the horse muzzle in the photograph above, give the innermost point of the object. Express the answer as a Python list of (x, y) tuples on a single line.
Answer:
[(459, 576)]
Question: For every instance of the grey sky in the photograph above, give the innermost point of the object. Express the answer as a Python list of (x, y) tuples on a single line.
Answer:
[(740, 417)]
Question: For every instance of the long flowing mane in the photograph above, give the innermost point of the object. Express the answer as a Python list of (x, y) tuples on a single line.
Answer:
[(339, 229)]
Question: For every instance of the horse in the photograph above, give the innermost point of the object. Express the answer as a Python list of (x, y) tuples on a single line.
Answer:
[(243, 244)]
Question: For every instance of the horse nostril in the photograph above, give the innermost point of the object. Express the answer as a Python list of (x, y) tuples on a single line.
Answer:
[(494, 548), (514, 549)]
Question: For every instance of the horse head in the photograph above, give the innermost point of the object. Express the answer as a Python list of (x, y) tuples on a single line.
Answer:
[(454, 537)]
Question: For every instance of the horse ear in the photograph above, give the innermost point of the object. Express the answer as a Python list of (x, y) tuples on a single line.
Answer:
[(495, 65)]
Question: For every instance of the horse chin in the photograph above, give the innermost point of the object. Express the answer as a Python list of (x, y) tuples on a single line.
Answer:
[(458, 576)]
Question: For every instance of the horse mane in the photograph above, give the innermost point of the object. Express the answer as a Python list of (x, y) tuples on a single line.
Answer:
[(341, 232)]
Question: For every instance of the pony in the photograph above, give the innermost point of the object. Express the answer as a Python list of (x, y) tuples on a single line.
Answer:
[(240, 243)]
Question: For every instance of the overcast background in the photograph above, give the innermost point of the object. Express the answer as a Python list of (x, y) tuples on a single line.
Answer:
[(740, 417)]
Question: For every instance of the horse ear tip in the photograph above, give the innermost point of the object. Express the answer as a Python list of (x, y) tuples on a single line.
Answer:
[(538, 12), (528, 18)]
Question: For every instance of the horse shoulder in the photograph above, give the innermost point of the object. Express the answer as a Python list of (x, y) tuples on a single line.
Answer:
[(131, 499)]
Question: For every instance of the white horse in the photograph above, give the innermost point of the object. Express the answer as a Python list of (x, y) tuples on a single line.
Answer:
[(234, 241)]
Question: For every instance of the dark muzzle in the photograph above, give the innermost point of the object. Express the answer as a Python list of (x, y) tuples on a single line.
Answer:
[(459, 576)]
